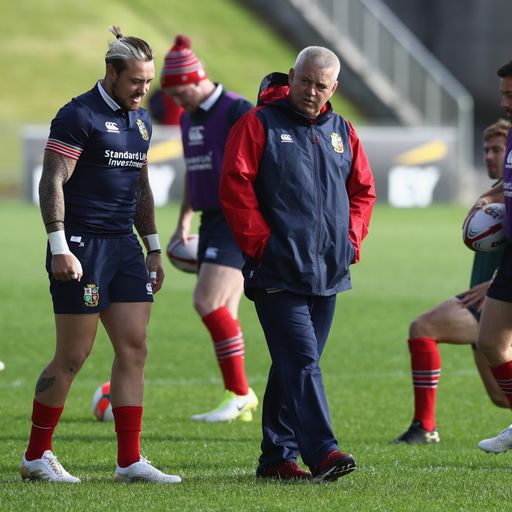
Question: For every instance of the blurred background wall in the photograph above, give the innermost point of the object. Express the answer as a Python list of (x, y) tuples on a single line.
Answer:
[(472, 38), (418, 77)]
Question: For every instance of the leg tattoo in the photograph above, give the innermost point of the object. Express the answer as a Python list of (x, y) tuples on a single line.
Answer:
[(44, 383)]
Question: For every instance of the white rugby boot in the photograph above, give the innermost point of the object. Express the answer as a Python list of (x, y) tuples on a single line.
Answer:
[(232, 407), (501, 443), (47, 469), (143, 471)]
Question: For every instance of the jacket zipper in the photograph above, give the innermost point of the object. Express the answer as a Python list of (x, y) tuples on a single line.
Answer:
[(315, 141)]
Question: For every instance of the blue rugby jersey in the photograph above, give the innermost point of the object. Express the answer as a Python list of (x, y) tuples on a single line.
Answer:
[(110, 146)]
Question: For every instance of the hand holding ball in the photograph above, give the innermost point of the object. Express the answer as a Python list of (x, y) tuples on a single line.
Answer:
[(184, 256)]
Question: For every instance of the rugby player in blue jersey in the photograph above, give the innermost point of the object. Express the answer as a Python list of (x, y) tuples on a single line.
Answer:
[(94, 189)]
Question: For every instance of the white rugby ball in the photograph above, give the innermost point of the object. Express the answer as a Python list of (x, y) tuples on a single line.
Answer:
[(483, 229), (184, 256)]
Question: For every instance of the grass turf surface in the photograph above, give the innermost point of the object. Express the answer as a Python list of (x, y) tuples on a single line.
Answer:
[(411, 260)]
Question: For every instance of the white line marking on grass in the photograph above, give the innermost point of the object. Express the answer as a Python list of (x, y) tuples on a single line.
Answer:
[(260, 379)]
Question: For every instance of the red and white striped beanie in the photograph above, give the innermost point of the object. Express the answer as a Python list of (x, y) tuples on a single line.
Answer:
[(181, 66)]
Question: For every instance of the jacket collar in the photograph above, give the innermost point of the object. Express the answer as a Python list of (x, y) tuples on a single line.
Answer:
[(274, 91)]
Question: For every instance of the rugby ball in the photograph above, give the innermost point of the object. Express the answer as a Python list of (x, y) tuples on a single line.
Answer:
[(483, 229), (101, 406), (184, 256)]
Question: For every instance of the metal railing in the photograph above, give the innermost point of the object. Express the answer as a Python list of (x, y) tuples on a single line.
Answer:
[(393, 64)]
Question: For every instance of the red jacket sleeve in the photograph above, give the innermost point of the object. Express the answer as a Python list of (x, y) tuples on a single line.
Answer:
[(361, 193), (242, 156)]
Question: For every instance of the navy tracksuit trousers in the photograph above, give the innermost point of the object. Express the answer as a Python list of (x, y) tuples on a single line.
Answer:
[(295, 412)]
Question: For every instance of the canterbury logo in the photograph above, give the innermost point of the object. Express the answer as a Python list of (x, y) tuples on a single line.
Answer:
[(285, 137), (195, 134), (111, 127), (212, 253)]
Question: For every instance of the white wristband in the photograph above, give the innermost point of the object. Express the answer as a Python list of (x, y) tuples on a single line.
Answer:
[(58, 243), (153, 242)]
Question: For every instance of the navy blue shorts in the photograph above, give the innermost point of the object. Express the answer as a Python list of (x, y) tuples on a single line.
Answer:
[(114, 271), (216, 242), (501, 286)]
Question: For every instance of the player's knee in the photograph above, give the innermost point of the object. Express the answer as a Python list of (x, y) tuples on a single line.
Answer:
[(73, 363), (420, 327), (484, 347), (205, 304), (142, 354), (139, 351), (199, 306), (494, 353), (499, 400), (132, 352)]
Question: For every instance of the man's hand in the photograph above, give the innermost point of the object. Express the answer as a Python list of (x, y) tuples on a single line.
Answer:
[(156, 271), (66, 267), (475, 296)]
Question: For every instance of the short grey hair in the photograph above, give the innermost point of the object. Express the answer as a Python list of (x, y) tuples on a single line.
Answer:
[(124, 48), (320, 57)]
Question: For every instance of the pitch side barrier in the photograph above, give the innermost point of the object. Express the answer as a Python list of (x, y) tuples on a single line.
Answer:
[(413, 167)]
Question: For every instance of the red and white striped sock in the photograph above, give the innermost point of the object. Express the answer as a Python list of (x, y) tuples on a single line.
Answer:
[(426, 370), (229, 346)]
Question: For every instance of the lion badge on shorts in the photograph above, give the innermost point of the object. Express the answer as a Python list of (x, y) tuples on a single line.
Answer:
[(337, 142), (142, 129), (91, 295)]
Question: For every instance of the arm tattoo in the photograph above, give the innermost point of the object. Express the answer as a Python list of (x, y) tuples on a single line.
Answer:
[(145, 214), (44, 383), (56, 171)]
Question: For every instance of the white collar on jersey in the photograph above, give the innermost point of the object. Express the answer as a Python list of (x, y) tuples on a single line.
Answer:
[(108, 100), (214, 96)]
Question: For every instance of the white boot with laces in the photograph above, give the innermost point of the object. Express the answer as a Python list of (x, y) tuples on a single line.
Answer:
[(143, 471), (501, 443), (47, 469)]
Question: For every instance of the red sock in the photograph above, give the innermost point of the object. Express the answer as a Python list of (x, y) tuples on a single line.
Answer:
[(44, 421), (229, 348), (503, 375), (128, 421), (426, 369)]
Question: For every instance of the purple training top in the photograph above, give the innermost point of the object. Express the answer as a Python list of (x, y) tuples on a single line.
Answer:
[(507, 186), (204, 135)]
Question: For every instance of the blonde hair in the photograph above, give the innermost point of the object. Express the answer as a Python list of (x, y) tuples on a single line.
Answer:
[(124, 48), (499, 129)]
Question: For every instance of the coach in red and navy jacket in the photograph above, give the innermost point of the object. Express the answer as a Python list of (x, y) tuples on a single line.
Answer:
[(298, 192)]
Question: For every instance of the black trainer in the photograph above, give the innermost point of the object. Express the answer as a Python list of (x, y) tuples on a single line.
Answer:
[(416, 434)]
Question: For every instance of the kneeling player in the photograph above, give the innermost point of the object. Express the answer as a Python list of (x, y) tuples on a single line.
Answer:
[(454, 321)]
